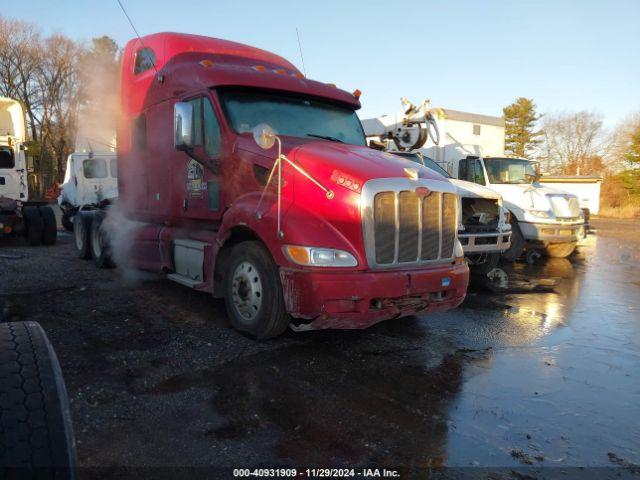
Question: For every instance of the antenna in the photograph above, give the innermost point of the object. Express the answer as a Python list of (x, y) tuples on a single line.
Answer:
[(140, 39), (304, 70)]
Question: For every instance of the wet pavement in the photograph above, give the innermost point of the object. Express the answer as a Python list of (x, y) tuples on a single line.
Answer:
[(518, 381)]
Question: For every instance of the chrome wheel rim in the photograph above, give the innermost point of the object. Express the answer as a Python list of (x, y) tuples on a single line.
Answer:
[(246, 291)]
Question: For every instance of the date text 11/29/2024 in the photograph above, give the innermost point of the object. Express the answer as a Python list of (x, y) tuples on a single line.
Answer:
[(315, 473)]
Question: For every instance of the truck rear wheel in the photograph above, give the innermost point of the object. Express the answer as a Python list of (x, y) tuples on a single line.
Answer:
[(35, 426), (517, 242), (50, 226), (253, 292), (99, 241), (81, 231), (560, 250), (483, 263), (35, 225)]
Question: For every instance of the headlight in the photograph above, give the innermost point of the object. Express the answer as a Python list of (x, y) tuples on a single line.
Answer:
[(319, 257), (507, 215), (539, 213)]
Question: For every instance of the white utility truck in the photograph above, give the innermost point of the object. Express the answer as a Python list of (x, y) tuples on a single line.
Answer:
[(585, 187), (90, 179), (483, 228), (471, 147), (20, 215)]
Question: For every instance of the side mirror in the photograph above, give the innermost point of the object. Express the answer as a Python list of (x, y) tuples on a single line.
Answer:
[(183, 126), (264, 136)]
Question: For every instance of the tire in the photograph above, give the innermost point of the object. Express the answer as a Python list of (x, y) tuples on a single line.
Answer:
[(253, 292), (67, 219), (36, 423), (81, 231), (99, 242), (50, 226), (560, 250), (35, 225), (481, 264), (517, 242)]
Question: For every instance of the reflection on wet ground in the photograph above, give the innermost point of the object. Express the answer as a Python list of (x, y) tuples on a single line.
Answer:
[(561, 387)]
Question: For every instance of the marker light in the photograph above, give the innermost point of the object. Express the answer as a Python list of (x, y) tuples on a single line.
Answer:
[(280, 71), (206, 63), (319, 257), (357, 93), (259, 68), (298, 75), (346, 181)]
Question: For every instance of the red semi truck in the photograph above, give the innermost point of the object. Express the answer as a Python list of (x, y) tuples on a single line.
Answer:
[(251, 182)]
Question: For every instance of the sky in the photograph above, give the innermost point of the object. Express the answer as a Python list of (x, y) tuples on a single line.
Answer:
[(470, 55)]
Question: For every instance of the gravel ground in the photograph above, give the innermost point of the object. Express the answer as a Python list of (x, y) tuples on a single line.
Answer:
[(510, 380)]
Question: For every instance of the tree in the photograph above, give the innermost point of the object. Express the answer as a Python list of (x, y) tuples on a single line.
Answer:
[(573, 143), (633, 150), (520, 119)]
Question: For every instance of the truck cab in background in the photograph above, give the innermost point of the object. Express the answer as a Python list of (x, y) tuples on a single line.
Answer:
[(90, 178), (242, 178), (20, 214), (541, 217)]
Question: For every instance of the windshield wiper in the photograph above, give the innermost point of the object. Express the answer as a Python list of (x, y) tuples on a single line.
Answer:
[(325, 137)]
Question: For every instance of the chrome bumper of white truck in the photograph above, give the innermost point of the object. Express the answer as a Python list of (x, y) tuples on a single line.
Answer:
[(485, 242), (552, 232)]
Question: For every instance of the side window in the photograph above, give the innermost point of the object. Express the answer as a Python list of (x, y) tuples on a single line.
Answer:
[(94, 168), (206, 129), (139, 133), (463, 169), (212, 138), (6, 158), (113, 167), (145, 59), (479, 173)]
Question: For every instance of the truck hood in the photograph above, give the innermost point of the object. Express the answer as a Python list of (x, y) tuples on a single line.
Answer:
[(473, 190), (361, 163), (528, 196)]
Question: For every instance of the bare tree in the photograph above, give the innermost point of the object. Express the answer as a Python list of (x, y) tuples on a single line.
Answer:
[(572, 142)]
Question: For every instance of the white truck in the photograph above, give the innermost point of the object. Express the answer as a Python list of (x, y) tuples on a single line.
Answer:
[(90, 179), (483, 228), (20, 214), (541, 217), (585, 187)]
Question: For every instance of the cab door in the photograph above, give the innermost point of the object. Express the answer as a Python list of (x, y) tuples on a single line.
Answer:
[(201, 196)]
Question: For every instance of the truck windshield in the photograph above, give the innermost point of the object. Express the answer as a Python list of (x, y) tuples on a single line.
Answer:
[(423, 160), (291, 115), (511, 170)]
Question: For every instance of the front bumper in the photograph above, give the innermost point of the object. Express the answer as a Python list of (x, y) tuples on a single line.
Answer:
[(552, 232), (493, 242), (349, 300)]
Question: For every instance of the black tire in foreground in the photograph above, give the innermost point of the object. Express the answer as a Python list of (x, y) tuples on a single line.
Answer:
[(35, 225), (517, 242), (82, 232), (99, 242), (49, 224), (35, 423), (253, 292)]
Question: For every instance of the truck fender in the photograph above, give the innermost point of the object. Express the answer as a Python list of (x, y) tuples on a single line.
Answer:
[(301, 226)]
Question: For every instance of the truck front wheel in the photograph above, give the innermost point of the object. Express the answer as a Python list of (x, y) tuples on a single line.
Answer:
[(483, 263), (517, 242), (560, 250), (253, 292)]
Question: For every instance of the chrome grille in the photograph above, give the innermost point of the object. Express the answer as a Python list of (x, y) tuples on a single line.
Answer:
[(402, 227), (565, 206)]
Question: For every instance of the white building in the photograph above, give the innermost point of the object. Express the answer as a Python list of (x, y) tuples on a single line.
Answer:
[(463, 133)]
